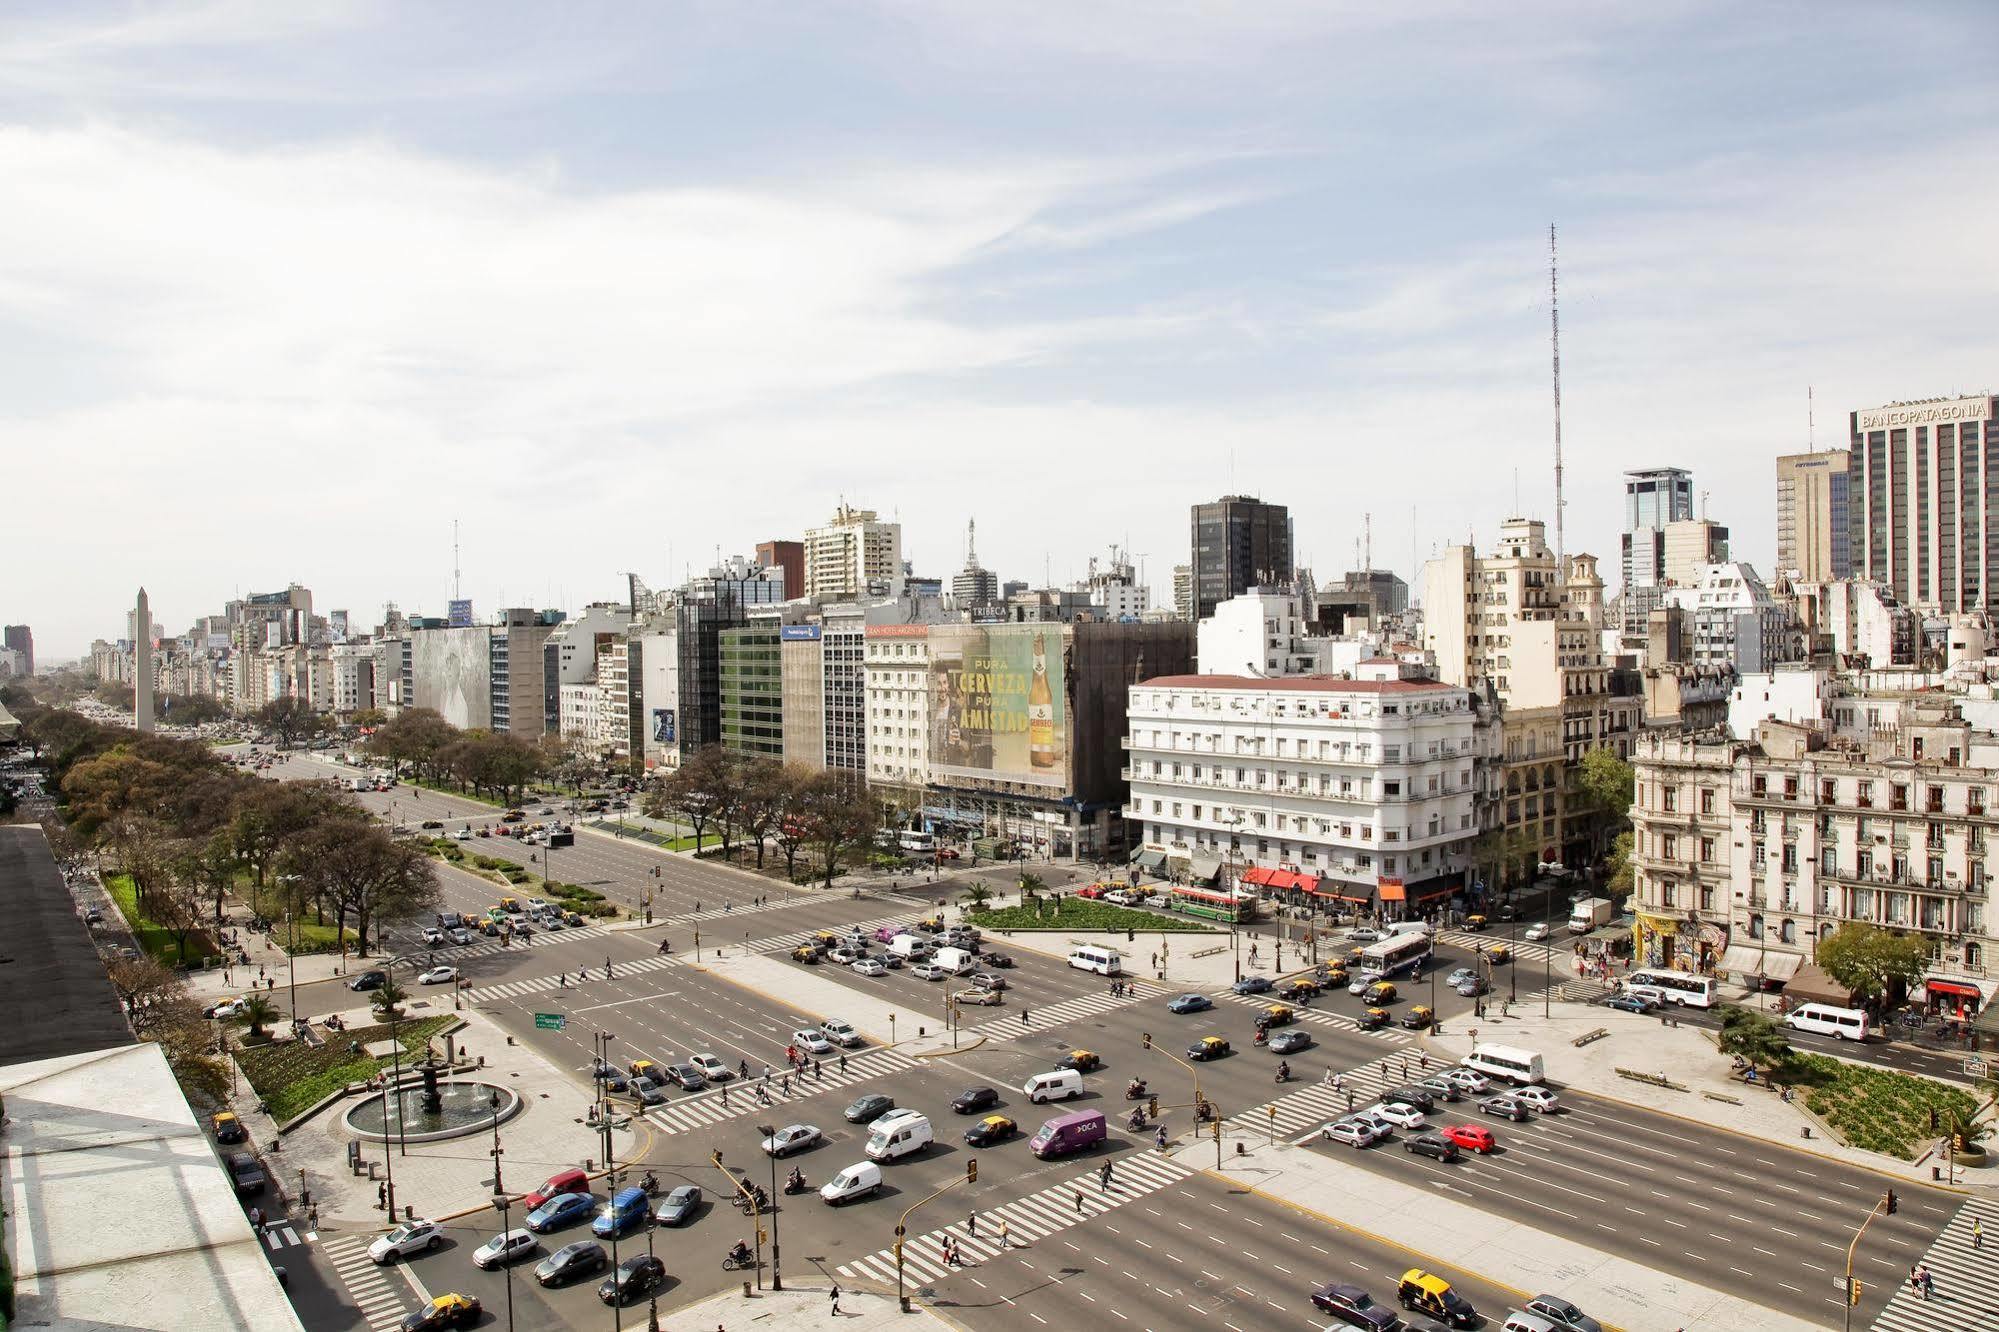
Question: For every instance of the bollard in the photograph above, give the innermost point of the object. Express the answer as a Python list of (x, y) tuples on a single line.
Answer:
[(919, 1031), (1936, 1172), (746, 1290)]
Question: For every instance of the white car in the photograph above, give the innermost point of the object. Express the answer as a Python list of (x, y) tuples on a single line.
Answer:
[(1402, 1116), (1539, 1097), (433, 936), (929, 971), (462, 835), (228, 1008), (537, 905), (410, 1237), (1535, 932), (1468, 1080), (506, 1247), (869, 966), (712, 1068), (1364, 934), (812, 1041), (1118, 897), (789, 1139), (839, 1032), (438, 976), (1352, 1132)]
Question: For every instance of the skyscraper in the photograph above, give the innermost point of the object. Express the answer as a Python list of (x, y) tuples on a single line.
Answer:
[(21, 639), (1812, 542), (1653, 497), (1923, 501), (788, 556), (974, 587), (852, 555), (1239, 542)]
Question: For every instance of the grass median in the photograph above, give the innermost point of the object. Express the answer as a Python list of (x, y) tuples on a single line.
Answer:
[(1873, 1108), (1079, 913), (291, 1076)]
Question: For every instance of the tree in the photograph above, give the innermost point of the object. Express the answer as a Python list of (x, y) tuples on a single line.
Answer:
[(839, 814), (270, 817), (367, 719), (414, 736), (691, 791), (766, 789), (192, 709), (292, 719), (1031, 886), (1607, 782), (1618, 878), (144, 986), (1873, 962), (389, 997), (976, 895), (1752, 1036), (793, 825), (365, 873), (259, 1012)]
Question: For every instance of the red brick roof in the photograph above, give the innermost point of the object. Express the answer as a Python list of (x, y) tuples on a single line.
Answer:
[(1303, 684)]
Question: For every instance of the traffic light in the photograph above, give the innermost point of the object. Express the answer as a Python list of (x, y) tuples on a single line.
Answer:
[(1889, 1202), (1217, 1127), (1145, 1039), (763, 1236), (1957, 1141), (1853, 1291), (972, 1170)]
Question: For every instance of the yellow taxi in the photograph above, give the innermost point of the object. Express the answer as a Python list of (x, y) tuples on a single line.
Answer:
[(510, 905), (453, 1310), (990, 1130), (227, 1127), (1373, 1018), (1335, 978), (1277, 1015), (644, 1070), (1208, 1047), (1299, 987), (1427, 1293), (1354, 956), (1418, 1017), (1083, 1061), (1474, 922), (1381, 992), (805, 953), (1498, 952)]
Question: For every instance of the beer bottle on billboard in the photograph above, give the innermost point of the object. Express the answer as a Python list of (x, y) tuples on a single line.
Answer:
[(1040, 710)]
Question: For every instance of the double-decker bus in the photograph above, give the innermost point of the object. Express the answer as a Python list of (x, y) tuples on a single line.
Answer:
[(1215, 904), (1679, 987), (1392, 956)]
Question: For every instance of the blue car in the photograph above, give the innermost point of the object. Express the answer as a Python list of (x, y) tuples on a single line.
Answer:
[(564, 1209), (622, 1213), (1189, 1003), (1252, 985)]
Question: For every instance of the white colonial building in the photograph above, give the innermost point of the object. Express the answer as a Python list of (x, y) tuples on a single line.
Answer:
[(1362, 787), (897, 705)]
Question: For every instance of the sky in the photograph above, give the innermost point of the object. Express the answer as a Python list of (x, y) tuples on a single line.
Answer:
[(286, 289)]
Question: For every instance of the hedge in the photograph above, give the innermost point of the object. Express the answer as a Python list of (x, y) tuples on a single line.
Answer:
[(1875, 1109), (292, 1076), (1080, 913)]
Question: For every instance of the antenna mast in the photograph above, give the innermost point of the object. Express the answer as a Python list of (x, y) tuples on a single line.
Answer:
[(454, 559), (1367, 535), (1555, 345), (1811, 421)]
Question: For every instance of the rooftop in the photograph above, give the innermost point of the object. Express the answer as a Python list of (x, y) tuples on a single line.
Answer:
[(1303, 684), (48, 963)]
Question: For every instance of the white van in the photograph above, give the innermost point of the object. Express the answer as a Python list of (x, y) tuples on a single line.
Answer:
[(917, 841), (1849, 1024), (910, 947), (1062, 1084), (956, 961), (1401, 927), (898, 1137), (1103, 961), (1508, 1063), (856, 1181)]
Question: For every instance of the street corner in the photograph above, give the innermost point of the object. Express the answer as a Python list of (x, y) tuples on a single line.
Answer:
[(795, 1308)]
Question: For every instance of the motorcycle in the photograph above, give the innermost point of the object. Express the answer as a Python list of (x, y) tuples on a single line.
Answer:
[(1284, 1073), (1262, 1037), (1137, 1121), (738, 1259), (650, 1184), (795, 1182), (1134, 1091)]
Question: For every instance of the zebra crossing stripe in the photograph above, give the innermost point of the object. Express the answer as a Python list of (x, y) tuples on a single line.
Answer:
[(1056, 1208), (1476, 942), (1338, 1021), (380, 1303), (709, 1107), (1306, 1109), (542, 984), (1966, 1292), (1068, 1010)]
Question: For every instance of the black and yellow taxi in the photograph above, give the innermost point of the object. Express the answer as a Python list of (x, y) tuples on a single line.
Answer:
[(1497, 953), (990, 1130), (1429, 1294), (1354, 956), (1208, 1047), (644, 1070), (1333, 977), (1083, 1061), (824, 941), (1277, 1015), (805, 953), (453, 1310), (1381, 992), (1372, 1019), (1299, 987), (1474, 922), (1418, 1017), (227, 1127)]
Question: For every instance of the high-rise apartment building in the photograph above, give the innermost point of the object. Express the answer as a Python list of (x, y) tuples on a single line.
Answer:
[(1239, 542), (854, 555), (21, 639), (1812, 541), (1653, 498), (788, 556), (974, 588), (1923, 501)]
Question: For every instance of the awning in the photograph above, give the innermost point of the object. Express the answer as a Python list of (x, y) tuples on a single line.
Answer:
[(1812, 985), (1433, 891), (1956, 988), (1153, 862), (1393, 892), (1205, 866), (1742, 959), (1280, 880), (1782, 966)]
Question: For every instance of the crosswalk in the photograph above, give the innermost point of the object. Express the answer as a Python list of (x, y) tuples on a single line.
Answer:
[(379, 1299), (452, 954), (1581, 991), (1322, 1018), (1058, 1207), (1305, 1110), (728, 911), (1008, 1023), (1522, 950), (784, 943), (280, 1235), (520, 989), (1966, 1293), (733, 1100)]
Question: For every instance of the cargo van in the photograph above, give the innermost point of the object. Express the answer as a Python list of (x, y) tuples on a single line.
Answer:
[(898, 1137), (1848, 1024), (956, 961), (1061, 1084), (1401, 927), (1103, 961), (910, 947), (856, 1181), (1507, 1062), (1065, 1134)]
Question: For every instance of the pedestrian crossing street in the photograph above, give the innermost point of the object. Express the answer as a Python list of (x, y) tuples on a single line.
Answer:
[(379, 1299), (1523, 951), (1006, 1022), (735, 1099), (452, 954), (731, 911), (1303, 1111), (1582, 991), (521, 989), (1134, 1175), (1338, 1021), (1965, 1291)]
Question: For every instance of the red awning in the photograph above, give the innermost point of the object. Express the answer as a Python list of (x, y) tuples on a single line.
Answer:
[(1392, 892), (1282, 879), (1952, 987)]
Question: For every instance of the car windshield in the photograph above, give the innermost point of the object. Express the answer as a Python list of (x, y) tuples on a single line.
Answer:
[(401, 1233)]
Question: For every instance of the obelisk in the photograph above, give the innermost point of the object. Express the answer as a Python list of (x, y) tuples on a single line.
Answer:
[(142, 663)]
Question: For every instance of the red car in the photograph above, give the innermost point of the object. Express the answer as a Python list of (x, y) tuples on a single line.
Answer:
[(1091, 891), (947, 853), (565, 1181), (1471, 1137)]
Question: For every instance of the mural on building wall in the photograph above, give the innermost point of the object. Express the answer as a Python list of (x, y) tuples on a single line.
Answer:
[(997, 704)]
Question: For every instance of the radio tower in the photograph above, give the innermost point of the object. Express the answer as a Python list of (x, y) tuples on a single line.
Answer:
[(1555, 343), (454, 557)]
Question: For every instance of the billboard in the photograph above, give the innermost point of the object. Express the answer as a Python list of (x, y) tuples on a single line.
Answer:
[(798, 633), (663, 727), (459, 614), (998, 705), (451, 671)]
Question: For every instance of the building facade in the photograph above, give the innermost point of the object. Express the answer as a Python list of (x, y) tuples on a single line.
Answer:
[(1812, 541), (1923, 501), (750, 676), (853, 555), (1239, 542), (21, 639), (896, 663), (789, 558), (1653, 498)]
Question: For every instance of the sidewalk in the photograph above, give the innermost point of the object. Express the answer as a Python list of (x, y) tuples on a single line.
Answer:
[(1616, 1290), (1686, 1055), (791, 1310)]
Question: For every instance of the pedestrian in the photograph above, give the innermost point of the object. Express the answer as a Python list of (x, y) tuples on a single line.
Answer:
[(843, 1063), (1023, 1017), (1004, 1243), (1929, 1282), (1159, 1138), (1977, 1233), (786, 1084), (836, 1304), (1915, 1283), (256, 1218), (766, 1074), (725, 1096), (944, 1250), (818, 1072), (382, 1200), (1104, 1178), (1405, 1068), (972, 1224), (1079, 1202)]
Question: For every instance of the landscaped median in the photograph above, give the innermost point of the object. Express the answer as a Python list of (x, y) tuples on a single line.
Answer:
[(291, 1076), (1080, 914), (1877, 1109), (153, 938), (507, 874)]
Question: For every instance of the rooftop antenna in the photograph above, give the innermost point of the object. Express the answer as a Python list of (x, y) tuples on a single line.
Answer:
[(1555, 347), (454, 559), (1367, 534), (1811, 421), (1703, 506)]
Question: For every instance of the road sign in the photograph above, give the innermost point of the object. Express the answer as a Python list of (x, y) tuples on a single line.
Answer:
[(1974, 1067), (549, 1021)]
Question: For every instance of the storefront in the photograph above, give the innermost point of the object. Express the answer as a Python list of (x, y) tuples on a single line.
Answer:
[(1758, 967), (1682, 943), (1951, 997)]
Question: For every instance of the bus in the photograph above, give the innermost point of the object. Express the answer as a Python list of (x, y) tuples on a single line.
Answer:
[(1392, 956), (1679, 987), (1215, 904)]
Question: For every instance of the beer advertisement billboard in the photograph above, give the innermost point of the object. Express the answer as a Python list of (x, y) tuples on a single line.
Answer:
[(997, 704)]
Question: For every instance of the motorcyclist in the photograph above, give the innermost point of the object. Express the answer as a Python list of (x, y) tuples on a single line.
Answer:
[(1262, 1035), (740, 1255), (1137, 1120), (651, 1184), (1284, 1070), (1134, 1089), (795, 1181)]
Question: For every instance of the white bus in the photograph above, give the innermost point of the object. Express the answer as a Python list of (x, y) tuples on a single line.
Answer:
[(911, 840), (1508, 1063), (1848, 1024), (1679, 987), (1392, 956)]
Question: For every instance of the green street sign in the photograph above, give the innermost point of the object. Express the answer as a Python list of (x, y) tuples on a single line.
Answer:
[(549, 1021)]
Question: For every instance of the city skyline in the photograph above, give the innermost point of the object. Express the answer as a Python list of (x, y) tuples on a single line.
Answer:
[(588, 301)]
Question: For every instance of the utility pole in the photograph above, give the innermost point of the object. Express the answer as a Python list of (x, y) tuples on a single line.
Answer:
[(1555, 344)]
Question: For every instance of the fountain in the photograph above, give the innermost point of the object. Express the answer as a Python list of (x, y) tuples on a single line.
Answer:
[(430, 1110)]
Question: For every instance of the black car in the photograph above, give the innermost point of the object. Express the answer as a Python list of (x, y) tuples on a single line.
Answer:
[(996, 960), (1252, 985), (1422, 1098), (972, 1101), (1431, 1144), (571, 1261), (369, 980), (1354, 1305), (869, 1108), (636, 1277), (247, 1175)]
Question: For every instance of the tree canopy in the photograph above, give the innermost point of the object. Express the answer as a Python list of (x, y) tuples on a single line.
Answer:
[(1873, 962)]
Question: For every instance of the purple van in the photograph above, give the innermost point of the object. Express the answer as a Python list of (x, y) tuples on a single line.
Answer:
[(1077, 1131), (887, 933)]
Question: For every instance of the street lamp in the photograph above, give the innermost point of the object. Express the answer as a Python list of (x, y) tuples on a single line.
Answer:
[(291, 963), (776, 1263), (505, 1203)]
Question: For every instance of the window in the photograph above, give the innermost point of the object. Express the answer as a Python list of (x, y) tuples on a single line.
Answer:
[(1756, 926), (1707, 800), (1788, 931), (1669, 799), (1828, 792)]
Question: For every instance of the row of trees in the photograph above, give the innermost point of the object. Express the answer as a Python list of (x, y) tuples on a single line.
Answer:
[(484, 762), (831, 815)]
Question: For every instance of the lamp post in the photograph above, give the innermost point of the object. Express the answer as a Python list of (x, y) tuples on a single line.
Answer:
[(776, 1263), (501, 1199), (291, 963)]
